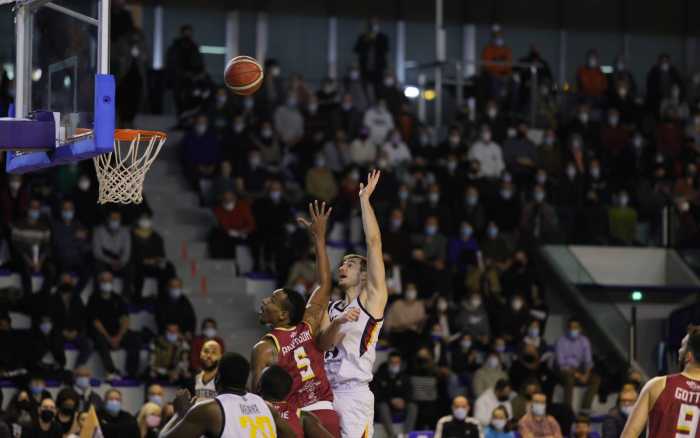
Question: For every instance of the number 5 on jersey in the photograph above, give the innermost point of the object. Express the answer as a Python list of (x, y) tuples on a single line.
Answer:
[(304, 364), (688, 419)]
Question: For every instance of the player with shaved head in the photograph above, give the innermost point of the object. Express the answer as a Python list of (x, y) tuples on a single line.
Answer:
[(210, 356)]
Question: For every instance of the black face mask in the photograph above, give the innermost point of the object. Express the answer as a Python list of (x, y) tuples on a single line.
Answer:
[(24, 405), (502, 398), (46, 416), (529, 358), (67, 411)]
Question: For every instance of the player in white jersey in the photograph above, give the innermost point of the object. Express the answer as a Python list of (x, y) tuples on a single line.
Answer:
[(204, 387), (350, 329), (234, 413)]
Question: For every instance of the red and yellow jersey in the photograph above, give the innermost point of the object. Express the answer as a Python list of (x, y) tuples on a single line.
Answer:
[(676, 413)]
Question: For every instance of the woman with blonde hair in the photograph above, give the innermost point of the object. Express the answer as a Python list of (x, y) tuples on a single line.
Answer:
[(149, 420)]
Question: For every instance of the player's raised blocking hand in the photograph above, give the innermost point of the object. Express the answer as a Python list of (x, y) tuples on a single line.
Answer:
[(372, 180), (183, 402), (319, 219)]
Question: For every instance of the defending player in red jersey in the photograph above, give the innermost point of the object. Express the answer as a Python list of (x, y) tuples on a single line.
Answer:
[(275, 384), (291, 344), (670, 405)]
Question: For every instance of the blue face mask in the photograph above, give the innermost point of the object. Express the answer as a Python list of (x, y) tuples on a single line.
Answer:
[(472, 200), (574, 334), (34, 214), (82, 382), (36, 390), (113, 406), (156, 399), (467, 232), (431, 230), (534, 332), (67, 215), (492, 232)]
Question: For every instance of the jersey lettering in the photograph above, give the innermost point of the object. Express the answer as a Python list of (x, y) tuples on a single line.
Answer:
[(257, 424)]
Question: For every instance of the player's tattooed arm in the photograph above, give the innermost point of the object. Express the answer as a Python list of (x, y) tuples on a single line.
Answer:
[(377, 294), (264, 354), (317, 305)]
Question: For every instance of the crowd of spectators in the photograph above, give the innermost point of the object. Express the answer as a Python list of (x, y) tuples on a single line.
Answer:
[(461, 213)]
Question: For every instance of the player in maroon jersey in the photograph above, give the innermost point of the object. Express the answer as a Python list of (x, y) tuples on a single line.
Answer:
[(291, 344), (275, 385), (671, 404)]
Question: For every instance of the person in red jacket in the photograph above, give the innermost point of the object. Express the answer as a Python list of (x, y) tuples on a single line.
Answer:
[(235, 223)]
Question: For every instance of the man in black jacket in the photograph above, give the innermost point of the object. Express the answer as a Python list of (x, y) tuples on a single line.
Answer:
[(68, 314), (271, 214), (391, 391), (372, 48), (176, 309), (114, 421), (148, 257)]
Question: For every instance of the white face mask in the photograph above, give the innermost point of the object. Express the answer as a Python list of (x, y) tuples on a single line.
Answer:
[(492, 362), (459, 413), (84, 184), (539, 409), (228, 206), (498, 423), (411, 294), (209, 332), (626, 410)]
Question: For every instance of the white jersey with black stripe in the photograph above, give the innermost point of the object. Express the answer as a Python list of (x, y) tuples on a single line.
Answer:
[(352, 361), (204, 391), (246, 416)]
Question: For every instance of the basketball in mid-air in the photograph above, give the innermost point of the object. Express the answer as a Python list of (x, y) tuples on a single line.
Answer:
[(243, 75)]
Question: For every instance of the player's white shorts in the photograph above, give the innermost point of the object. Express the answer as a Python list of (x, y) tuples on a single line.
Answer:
[(355, 406)]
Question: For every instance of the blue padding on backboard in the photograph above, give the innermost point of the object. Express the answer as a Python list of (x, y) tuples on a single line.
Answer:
[(28, 135), (102, 140), (22, 162)]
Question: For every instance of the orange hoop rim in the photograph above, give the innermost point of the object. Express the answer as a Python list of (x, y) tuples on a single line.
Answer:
[(131, 134)]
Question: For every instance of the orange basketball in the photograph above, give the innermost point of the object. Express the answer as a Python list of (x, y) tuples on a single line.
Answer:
[(243, 75)]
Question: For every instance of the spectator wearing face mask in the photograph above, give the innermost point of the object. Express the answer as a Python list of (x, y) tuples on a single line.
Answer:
[(67, 402), (586, 129), (170, 353), (660, 79), (31, 240), (613, 136), (634, 162), (490, 373), (235, 135), (392, 391), (175, 307), (539, 222), (363, 151), (272, 91), (435, 205), (536, 423), (549, 156), (47, 357), (463, 251), (14, 199), (615, 421), (405, 319), (114, 421), (320, 182), (379, 123), (597, 181), (621, 76), (453, 144), (574, 362), (395, 151), (82, 385), (201, 151), (108, 319), (495, 247), (623, 221), (497, 428), (396, 237), (470, 209), (149, 420), (221, 110), (519, 152), (45, 426), (70, 244), (266, 143), (506, 210), (459, 424), (372, 48), (591, 81), (432, 242), (111, 247), (148, 257), (424, 381), (209, 332), (271, 214), (84, 196), (498, 395), (472, 319), (497, 58), (288, 122), (235, 222), (530, 366), (513, 318), (488, 154), (520, 276), (521, 402)]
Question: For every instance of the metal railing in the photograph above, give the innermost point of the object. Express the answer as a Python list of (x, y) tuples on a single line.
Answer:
[(452, 74)]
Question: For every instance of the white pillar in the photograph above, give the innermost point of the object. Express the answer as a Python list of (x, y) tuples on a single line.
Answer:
[(469, 49), (401, 51), (23, 62), (562, 56), (158, 37), (261, 37), (333, 47), (232, 29), (103, 37)]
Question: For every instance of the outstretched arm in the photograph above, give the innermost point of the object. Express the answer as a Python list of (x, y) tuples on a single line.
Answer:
[(201, 419), (318, 303), (377, 295), (264, 354), (637, 420)]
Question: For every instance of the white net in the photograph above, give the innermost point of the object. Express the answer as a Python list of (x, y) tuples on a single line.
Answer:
[(121, 173)]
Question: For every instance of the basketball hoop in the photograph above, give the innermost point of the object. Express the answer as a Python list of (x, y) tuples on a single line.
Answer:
[(121, 173)]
